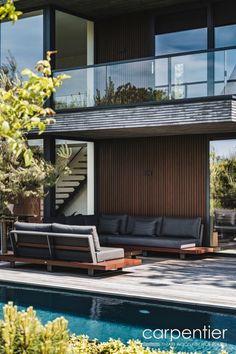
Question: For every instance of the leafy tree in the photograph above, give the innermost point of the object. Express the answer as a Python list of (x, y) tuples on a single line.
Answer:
[(8, 11), (22, 107), (23, 172), (223, 182)]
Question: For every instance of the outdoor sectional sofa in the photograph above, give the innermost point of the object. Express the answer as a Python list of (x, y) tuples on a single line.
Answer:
[(225, 221), (157, 234), (64, 245)]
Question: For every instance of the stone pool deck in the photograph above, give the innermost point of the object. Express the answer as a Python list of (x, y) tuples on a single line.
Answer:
[(209, 281)]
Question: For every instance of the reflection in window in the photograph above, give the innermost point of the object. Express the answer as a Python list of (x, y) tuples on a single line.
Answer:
[(75, 44), (225, 72), (222, 191), (225, 36), (23, 41), (182, 41), (189, 76)]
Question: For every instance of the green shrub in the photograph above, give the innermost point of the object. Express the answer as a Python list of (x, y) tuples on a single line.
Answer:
[(22, 333)]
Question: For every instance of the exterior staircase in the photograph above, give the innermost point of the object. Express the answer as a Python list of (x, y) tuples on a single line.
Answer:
[(68, 186)]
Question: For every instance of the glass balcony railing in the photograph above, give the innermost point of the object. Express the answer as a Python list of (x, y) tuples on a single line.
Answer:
[(199, 74)]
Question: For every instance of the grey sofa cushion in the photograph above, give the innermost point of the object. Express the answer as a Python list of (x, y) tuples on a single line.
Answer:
[(103, 239), (122, 218), (107, 253), (224, 217), (75, 220), (26, 226), (75, 229), (28, 238), (167, 242), (133, 219), (108, 225), (90, 220), (57, 219), (144, 227), (181, 227)]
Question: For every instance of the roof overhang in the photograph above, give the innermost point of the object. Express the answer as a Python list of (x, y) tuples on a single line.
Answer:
[(210, 116), (103, 8)]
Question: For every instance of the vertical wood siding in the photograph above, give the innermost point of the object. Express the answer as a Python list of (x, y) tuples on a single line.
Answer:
[(153, 176), (124, 37)]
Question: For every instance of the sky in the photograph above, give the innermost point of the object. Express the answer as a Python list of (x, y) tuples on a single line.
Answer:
[(224, 148)]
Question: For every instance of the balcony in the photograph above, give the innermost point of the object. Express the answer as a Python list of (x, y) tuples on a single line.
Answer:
[(157, 79)]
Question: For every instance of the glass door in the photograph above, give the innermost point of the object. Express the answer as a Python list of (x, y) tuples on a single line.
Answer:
[(223, 194)]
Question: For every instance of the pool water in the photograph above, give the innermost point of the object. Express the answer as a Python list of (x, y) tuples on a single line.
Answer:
[(105, 317)]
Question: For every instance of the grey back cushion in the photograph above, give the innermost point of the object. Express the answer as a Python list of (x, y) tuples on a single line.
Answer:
[(34, 227), (133, 219), (26, 226), (58, 219), (144, 227), (108, 226), (122, 220), (90, 220), (74, 220), (75, 229), (181, 227), (225, 217)]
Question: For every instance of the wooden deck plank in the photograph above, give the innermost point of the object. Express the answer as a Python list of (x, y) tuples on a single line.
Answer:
[(191, 250), (210, 281), (106, 265)]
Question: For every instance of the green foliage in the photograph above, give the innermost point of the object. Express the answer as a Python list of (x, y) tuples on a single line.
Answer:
[(223, 182), (23, 333), (22, 107), (82, 345), (20, 181), (23, 172), (8, 11), (128, 93)]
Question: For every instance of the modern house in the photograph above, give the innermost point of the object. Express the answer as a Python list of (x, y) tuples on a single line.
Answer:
[(151, 95)]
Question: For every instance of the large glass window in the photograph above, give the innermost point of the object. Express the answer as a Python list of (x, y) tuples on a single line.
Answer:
[(74, 41), (223, 193), (23, 42), (182, 41), (225, 36), (182, 31)]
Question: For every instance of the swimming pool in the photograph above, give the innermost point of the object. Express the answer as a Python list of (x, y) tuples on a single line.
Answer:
[(103, 317)]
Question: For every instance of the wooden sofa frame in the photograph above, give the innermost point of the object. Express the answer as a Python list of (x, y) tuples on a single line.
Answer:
[(194, 251), (12, 257)]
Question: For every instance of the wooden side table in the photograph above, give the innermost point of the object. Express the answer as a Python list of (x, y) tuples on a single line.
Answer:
[(215, 239)]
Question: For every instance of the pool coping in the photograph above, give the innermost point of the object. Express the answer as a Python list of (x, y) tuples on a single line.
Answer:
[(201, 306)]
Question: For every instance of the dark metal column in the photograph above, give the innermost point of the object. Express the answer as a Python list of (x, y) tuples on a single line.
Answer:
[(49, 31), (50, 155), (210, 55), (49, 38)]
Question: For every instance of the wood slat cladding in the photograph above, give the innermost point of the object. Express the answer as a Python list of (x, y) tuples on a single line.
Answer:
[(124, 37), (153, 176)]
